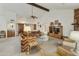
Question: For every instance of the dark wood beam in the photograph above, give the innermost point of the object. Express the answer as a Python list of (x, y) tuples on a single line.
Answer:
[(38, 6)]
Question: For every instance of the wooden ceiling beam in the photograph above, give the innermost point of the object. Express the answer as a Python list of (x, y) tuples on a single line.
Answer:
[(38, 6)]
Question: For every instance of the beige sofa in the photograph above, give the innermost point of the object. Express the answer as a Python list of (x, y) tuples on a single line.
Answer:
[(67, 47)]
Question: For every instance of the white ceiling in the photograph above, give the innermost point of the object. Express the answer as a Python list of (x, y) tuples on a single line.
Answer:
[(23, 9), (26, 10), (60, 5)]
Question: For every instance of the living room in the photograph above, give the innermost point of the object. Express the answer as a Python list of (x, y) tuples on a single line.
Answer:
[(39, 29)]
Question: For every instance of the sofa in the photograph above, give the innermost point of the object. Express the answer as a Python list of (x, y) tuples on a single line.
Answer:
[(66, 48)]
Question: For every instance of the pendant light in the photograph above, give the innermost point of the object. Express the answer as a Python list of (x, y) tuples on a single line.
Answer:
[(33, 17)]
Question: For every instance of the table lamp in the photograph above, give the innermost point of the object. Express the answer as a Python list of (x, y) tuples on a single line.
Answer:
[(75, 36), (27, 28)]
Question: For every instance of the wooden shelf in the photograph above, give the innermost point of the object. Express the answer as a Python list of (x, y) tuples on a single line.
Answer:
[(56, 31), (76, 20), (75, 24)]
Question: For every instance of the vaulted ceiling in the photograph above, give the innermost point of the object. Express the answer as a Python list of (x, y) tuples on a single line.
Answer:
[(23, 9), (60, 5)]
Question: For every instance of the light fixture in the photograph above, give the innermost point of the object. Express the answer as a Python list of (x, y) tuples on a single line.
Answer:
[(33, 17), (27, 28)]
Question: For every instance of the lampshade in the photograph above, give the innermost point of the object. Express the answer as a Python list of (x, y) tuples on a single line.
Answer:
[(27, 28), (74, 35)]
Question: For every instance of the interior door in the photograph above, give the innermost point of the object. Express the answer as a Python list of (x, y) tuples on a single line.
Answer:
[(20, 28)]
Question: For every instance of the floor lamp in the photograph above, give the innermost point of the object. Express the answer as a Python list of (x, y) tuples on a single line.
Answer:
[(75, 36)]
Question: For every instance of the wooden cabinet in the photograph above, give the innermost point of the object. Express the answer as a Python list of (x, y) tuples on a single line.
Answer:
[(76, 20), (10, 33), (56, 30)]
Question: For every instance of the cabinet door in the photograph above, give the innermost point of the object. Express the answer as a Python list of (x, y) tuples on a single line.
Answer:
[(10, 33)]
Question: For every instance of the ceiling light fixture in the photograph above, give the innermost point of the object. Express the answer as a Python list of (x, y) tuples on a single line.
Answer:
[(33, 17)]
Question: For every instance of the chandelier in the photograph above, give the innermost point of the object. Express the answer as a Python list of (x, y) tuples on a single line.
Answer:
[(33, 17)]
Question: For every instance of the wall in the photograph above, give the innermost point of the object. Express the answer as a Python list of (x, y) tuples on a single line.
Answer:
[(5, 17), (2, 23), (2, 19), (65, 16)]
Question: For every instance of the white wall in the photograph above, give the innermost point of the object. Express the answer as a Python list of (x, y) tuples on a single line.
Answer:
[(5, 17), (65, 16), (2, 19), (2, 23)]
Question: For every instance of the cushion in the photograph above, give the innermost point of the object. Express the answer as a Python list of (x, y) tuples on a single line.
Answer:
[(69, 44), (64, 51)]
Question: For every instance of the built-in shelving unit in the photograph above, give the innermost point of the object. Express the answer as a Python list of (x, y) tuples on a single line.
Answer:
[(56, 29), (76, 20)]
